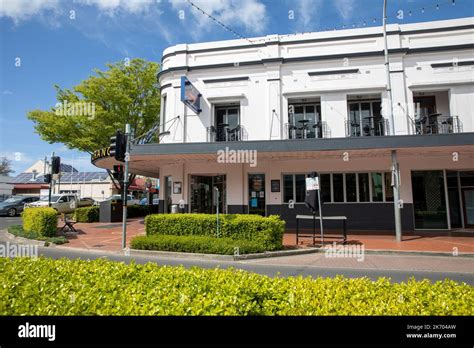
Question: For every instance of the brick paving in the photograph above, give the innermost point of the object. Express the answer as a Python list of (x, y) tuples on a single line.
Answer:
[(108, 236)]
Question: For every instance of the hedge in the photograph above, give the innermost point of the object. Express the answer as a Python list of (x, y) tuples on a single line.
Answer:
[(196, 244), (44, 286), (91, 214), (267, 231), (137, 211), (87, 214), (17, 230), (41, 220)]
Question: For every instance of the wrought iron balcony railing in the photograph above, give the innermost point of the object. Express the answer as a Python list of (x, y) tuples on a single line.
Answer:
[(372, 127), (226, 133), (307, 130)]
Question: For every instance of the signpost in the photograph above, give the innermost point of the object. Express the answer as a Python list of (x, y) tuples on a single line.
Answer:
[(313, 200)]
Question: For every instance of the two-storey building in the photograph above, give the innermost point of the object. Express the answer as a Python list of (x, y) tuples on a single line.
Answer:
[(319, 102)]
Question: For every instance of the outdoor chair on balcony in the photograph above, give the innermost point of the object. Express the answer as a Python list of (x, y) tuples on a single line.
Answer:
[(234, 134), (292, 131), (367, 130), (419, 124), (355, 128), (317, 129)]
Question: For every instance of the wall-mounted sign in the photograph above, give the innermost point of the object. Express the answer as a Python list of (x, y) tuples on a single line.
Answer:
[(102, 153), (177, 188), (275, 185), (312, 184), (190, 96)]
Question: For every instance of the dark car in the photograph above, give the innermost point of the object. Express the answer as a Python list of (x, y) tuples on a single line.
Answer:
[(14, 205)]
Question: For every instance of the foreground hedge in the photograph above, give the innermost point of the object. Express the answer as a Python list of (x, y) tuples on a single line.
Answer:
[(41, 220), (195, 244), (267, 231), (100, 287), (87, 214)]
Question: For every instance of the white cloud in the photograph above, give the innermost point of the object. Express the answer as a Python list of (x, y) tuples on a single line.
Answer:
[(345, 8), (110, 7), (307, 14), (250, 14), (22, 10)]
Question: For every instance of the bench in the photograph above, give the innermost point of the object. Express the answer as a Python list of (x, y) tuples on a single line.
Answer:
[(68, 224), (314, 218)]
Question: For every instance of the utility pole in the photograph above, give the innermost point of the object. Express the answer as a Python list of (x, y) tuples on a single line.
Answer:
[(387, 70), (395, 170), (125, 185), (396, 196)]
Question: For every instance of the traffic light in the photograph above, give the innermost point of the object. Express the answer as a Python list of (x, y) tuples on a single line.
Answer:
[(118, 146), (118, 172), (47, 178), (56, 164)]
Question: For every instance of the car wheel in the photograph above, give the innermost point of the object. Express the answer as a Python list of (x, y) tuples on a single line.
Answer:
[(11, 212)]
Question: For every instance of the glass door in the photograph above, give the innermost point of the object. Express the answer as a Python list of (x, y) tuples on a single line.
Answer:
[(203, 195), (227, 123), (257, 194), (468, 198), (429, 202)]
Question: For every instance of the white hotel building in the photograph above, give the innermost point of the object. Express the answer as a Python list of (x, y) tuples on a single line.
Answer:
[(313, 102)]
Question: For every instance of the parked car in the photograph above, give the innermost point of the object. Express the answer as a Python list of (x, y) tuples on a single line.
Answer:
[(61, 203), (144, 201), (14, 205), (130, 199), (86, 202)]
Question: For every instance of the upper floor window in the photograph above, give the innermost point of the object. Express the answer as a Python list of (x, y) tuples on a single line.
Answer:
[(226, 125), (304, 119), (365, 117)]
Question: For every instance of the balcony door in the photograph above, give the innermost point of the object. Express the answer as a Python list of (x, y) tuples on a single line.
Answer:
[(304, 121), (227, 123), (365, 118)]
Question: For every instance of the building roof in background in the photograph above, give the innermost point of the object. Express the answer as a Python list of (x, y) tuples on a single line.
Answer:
[(39, 167), (27, 178)]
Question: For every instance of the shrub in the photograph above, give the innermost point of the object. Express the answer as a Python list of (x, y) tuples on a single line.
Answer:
[(87, 214), (137, 211), (41, 220), (268, 231), (17, 230), (45, 286), (196, 244)]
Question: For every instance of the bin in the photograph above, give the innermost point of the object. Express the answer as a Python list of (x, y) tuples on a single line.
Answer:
[(111, 211), (174, 209)]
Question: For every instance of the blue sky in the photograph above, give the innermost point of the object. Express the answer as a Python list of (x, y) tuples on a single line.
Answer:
[(61, 42)]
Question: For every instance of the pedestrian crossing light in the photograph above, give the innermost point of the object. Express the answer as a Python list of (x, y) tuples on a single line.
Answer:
[(118, 172), (118, 146)]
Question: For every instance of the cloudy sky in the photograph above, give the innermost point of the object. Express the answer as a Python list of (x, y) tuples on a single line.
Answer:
[(61, 42)]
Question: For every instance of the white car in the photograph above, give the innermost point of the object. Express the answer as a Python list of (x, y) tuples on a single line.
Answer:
[(61, 203), (130, 199)]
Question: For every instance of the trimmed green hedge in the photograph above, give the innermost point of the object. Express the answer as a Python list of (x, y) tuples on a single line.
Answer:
[(87, 214), (17, 230), (42, 220), (267, 231), (137, 211), (92, 214), (100, 287), (195, 244)]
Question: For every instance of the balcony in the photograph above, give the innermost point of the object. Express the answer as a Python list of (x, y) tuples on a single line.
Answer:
[(437, 124), (224, 133), (307, 130), (372, 126)]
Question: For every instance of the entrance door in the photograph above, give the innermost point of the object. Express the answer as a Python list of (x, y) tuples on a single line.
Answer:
[(257, 194), (468, 199), (167, 196), (203, 197)]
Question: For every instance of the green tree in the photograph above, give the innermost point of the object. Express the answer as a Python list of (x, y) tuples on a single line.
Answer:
[(5, 166), (87, 115)]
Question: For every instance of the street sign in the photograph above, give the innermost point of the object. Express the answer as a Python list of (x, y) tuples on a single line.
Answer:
[(312, 184)]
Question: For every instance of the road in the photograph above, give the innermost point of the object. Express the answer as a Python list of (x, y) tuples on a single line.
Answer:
[(6, 221), (267, 267)]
